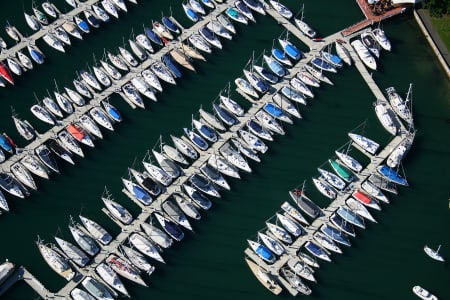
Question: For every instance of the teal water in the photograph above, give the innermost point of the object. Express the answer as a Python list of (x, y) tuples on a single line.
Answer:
[(386, 259)]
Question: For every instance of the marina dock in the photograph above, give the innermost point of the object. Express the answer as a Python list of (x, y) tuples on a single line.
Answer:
[(147, 211)]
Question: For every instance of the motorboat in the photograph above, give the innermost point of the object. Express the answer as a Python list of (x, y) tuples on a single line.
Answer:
[(293, 94), (366, 200), (199, 43), (256, 82), (197, 198), (275, 111), (24, 60), (9, 184), (170, 227), (326, 242), (236, 15), (381, 38), (157, 173), (281, 57), (173, 154), (290, 49), (132, 95), (186, 206), (374, 191), (143, 41), (143, 87), (182, 59), (111, 278), (23, 175), (162, 31), (137, 191), (255, 127), (74, 253), (317, 74), (275, 66), (101, 76), (170, 25), (80, 134), (264, 277), (262, 251), (342, 225), (305, 28), (364, 54), (295, 282), (128, 57), (6, 143), (317, 251), (62, 35), (399, 106), (349, 161), (301, 268), (168, 165), (351, 217), (24, 128), (325, 188), (343, 53), (145, 246), (224, 115), (279, 232), (69, 142), (369, 41), (218, 29), (97, 289), (281, 9), (332, 179), (197, 7), (152, 79), (244, 149), (184, 147), (46, 156), (293, 213), (205, 131), (359, 208), (79, 294), (5, 73), (162, 72), (269, 122), (84, 241), (434, 254), (91, 18), (305, 203), (322, 64), (293, 227), (211, 120), (246, 87), (196, 139), (190, 13), (58, 263), (245, 10), (137, 259), (386, 118), (146, 181), (255, 6), (225, 21), (394, 159), (391, 175), (34, 165), (117, 61), (176, 214), (100, 13), (118, 211), (124, 269), (71, 28), (96, 230), (365, 143), (342, 171), (81, 88), (274, 245), (209, 3), (335, 235), (234, 157), (81, 24), (90, 126), (253, 141), (172, 65), (203, 184), (423, 293), (101, 117), (214, 176), (223, 166)]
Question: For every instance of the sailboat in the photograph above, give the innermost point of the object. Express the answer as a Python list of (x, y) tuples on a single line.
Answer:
[(434, 254)]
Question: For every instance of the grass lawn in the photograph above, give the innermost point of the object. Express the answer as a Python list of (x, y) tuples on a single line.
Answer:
[(442, 26)]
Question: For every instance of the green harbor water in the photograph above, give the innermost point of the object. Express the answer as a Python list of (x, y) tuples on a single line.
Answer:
[(385, 260)]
